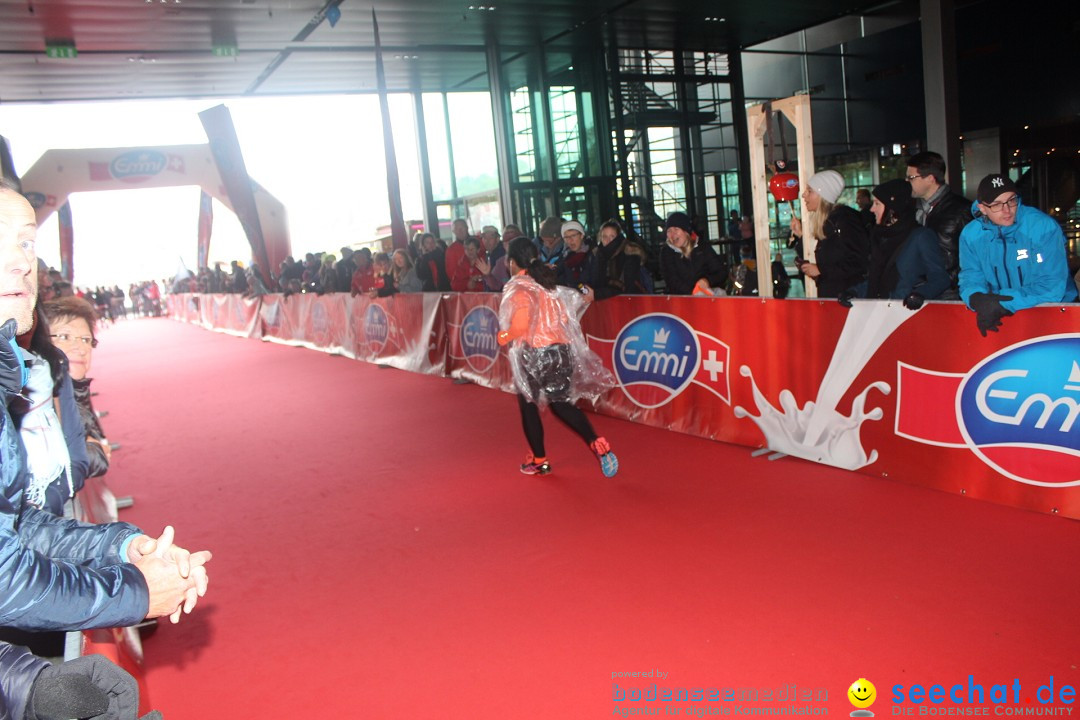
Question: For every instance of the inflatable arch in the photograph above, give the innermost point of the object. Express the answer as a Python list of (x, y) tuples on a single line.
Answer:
[(59, 173)]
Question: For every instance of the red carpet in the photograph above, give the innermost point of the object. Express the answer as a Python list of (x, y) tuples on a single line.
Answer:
[(377, 554)]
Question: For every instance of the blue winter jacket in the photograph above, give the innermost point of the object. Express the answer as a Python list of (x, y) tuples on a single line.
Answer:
[(1025, 260), (56, 574)]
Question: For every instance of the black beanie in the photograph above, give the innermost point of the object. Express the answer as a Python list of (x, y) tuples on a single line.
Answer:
[(895, 195)]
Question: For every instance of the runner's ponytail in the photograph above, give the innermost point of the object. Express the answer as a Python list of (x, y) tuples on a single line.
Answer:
[(524, 254), (542, 273)]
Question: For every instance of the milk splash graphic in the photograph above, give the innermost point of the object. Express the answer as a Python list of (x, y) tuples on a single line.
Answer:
[(818, 431)]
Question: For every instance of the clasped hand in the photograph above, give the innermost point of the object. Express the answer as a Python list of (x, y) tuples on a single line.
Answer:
[(175, 577)]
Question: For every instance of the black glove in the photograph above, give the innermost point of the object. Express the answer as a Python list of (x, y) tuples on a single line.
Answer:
[(87, 687), (845, 297), (988, 310), (914, 301)]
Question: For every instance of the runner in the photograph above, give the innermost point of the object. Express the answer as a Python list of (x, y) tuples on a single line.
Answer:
[(551, 361)]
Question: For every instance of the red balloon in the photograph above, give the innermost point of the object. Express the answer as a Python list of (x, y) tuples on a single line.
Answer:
[(784, 186)]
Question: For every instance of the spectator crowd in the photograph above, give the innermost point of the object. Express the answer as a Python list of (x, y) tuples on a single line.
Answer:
[(910, 239)]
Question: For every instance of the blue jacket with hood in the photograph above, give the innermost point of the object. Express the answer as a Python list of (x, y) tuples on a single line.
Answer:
[(56, 574), (1025, 260)]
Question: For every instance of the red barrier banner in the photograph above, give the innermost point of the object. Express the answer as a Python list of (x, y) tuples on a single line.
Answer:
[(321, 322), (920, 397), (318, 322), (472, 349), (405, 331), (230, 313), (184, 307), (279, 318)]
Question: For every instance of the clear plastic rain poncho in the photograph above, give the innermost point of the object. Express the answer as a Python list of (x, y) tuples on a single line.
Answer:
[(552, 318)]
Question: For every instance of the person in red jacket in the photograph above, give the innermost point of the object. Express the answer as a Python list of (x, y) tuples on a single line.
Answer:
[(468, 274), (384, 279), (456, 250), (363, 279)]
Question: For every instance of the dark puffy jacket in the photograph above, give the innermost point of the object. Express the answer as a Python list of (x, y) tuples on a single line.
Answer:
[(19, 669), (682, 273), (56, 574), (620, 267), (948, 217), (95, 435), (843, 255)]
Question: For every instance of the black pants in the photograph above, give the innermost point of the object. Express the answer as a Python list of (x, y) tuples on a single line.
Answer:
[(549, 371)]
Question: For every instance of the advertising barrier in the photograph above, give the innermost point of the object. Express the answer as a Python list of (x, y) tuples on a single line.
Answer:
[(919, 397), (472, 348), (230, 313), (405, 331), (184, 307)]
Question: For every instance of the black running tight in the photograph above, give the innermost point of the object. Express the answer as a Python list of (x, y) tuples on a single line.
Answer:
[(534, 428)]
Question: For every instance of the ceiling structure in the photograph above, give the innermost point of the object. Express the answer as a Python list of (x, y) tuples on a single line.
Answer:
[(125, 49)]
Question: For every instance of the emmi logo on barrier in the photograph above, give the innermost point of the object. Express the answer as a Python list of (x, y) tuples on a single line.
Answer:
[(376, 327), (478, 338), (1019, 411), (137, 165), (320, 322), (656, 357)]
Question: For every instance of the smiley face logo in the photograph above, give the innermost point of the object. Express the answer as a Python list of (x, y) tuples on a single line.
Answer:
[(862, 693)]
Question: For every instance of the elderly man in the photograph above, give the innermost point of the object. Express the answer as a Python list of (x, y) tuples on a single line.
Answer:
[(493, 248), (1012, 257), (500, 270), (103, 575), (550, 244)]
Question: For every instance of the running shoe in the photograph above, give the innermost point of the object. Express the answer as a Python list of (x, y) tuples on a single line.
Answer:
[(609, 464), (531, 467)]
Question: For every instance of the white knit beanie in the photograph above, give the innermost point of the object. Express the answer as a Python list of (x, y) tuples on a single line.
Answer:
[(572, 225), (828, 184)]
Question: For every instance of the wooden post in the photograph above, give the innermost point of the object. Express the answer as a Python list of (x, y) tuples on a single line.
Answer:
[(758, 123), (797, 110)]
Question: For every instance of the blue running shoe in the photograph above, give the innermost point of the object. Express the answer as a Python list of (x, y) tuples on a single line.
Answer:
[(609, 464)]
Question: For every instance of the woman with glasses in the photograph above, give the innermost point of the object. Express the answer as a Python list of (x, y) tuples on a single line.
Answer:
[(1012, 257), (71, 323)]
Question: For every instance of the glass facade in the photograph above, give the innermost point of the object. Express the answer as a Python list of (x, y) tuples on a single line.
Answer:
[(463, 168)]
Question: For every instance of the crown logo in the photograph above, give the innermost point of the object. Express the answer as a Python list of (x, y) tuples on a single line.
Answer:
[(484, 321), (997, 182), (660, 338)]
